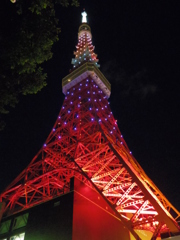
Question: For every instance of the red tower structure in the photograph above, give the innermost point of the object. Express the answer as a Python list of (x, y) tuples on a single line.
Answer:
[(86, 143)]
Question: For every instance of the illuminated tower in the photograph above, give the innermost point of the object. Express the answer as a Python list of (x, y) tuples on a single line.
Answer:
[(86, 144)]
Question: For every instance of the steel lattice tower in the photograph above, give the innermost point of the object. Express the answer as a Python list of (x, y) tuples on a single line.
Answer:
[(87, 144)]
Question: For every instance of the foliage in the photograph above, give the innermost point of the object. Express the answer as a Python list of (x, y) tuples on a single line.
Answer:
[(29, 31)]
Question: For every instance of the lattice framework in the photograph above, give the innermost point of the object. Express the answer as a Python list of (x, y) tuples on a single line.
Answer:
[(86, 143)]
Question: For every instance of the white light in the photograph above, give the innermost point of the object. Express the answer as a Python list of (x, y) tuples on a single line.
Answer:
[(84, 17), (18, 237)]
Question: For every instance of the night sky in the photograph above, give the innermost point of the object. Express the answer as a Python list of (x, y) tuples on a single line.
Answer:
[(138, 46)]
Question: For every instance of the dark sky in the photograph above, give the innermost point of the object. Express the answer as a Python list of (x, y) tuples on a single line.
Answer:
[(138, 46)]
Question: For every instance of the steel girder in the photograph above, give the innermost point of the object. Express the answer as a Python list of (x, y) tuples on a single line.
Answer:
[(86, 143)]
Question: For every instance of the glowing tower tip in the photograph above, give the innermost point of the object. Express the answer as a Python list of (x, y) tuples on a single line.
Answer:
[(84, 17)]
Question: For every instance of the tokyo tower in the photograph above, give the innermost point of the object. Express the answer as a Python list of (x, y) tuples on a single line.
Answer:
[(86, 144)]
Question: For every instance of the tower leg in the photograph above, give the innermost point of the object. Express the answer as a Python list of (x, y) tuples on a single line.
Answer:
[(157, 230)]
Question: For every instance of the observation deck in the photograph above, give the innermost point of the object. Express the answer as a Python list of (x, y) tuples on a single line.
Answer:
[(84, 71)]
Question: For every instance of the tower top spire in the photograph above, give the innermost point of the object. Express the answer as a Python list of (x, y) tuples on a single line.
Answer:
[(85, 62), (84, 17), (84, 49)]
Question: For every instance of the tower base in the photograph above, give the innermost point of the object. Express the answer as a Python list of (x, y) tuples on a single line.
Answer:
[(79, 215)]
